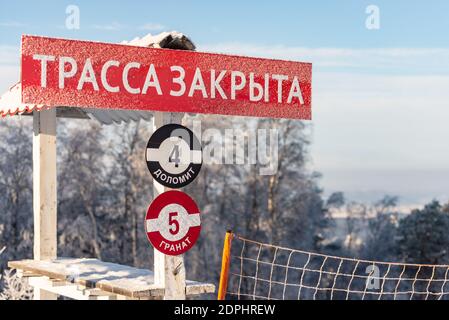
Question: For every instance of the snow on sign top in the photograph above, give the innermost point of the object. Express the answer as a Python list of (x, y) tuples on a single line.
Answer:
[(109, 76)]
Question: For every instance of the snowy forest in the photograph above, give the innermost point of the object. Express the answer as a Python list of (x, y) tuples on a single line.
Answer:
[(104, 189)]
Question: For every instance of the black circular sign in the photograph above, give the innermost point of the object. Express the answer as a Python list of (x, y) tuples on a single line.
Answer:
[(174, 156)]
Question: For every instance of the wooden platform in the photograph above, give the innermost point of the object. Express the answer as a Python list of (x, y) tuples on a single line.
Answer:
[(107, 278)]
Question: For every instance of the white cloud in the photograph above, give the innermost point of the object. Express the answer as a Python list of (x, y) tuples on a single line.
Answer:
[(423, 60), (11, 24), (114, 26), (382, 134), (377, 121), (381, 130), (152, 27), (9, 75), (9, 55), (9, 67), (380, 117)]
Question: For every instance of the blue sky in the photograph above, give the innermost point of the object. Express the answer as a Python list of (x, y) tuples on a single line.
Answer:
[(380, 97), (323, 23)]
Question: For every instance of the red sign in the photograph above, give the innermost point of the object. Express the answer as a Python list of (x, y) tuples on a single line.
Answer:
[(57, 72), (173, 223)]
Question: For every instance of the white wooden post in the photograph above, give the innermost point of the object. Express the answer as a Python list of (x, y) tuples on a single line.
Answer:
[(44, 190), (169, 271)]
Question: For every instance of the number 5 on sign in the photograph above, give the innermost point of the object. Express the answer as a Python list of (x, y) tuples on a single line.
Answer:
[(173, 223)]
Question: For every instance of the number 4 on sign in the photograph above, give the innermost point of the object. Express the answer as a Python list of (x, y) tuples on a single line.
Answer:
[(175, 156)]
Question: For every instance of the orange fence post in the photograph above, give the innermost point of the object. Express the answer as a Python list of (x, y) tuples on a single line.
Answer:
[(225, 262)]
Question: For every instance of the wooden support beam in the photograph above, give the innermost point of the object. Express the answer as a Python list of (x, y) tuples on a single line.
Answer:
[(44, 190), (66, 289), (59, 283), (169, 271), (121, 297), (99, 293), (26, 274), (119, 280), (64, 112)]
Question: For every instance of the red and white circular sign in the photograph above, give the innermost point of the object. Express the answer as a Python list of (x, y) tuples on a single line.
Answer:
[(173, 223)]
